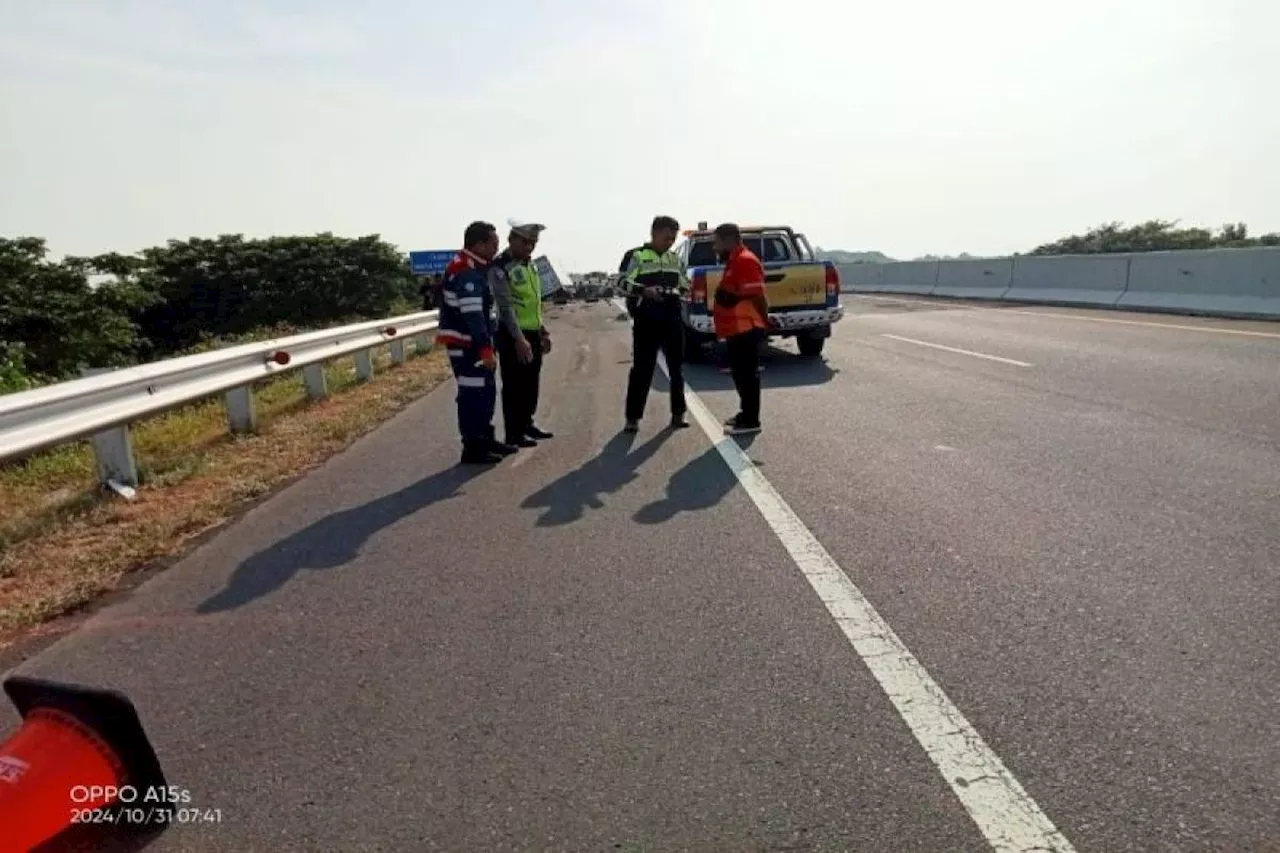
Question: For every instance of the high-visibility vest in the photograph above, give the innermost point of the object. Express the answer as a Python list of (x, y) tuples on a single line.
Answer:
[(647, 268), (526, 295)]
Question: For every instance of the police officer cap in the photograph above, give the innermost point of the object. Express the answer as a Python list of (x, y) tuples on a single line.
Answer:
[(528, 230)]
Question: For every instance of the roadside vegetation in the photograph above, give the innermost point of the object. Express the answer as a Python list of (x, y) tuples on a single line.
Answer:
[(63, 541), (1157, 235), (57, 316)]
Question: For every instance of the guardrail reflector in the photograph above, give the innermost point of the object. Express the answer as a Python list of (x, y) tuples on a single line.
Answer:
[(281, 357)]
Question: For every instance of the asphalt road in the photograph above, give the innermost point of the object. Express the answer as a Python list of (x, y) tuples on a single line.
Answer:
[(601, 644)]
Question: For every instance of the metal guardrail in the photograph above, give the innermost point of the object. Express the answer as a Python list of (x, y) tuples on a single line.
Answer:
[(101, 406)]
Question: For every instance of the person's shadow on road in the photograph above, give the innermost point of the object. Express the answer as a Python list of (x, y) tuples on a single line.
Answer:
[(699, 485), (567, 499), (334, 540)]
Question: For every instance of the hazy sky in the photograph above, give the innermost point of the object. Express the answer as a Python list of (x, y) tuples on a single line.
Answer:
[(985, 126)]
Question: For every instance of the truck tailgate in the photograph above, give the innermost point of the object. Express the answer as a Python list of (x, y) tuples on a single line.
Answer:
[(786, 285)]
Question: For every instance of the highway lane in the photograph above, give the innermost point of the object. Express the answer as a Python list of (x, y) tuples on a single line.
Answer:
[(1080, 553), (1084, 552), (596, 646), (1214, 374)]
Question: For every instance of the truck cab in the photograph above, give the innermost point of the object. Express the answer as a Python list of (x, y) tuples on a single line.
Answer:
[(803, 292)]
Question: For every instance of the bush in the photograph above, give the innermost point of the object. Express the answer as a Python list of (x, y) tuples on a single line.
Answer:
[(13, 373)]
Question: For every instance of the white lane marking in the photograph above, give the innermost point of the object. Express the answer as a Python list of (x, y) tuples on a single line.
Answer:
[(1180, 326), (1002, 809), (998, 358), (943, 447)]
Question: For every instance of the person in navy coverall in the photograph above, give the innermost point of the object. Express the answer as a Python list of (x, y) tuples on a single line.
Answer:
[(466, 331)]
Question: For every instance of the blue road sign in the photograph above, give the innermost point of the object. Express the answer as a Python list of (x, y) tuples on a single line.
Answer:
[(431, 261)]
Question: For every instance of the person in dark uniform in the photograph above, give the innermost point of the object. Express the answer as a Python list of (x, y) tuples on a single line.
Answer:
[(655, 282), (429, 291), (522, 338)]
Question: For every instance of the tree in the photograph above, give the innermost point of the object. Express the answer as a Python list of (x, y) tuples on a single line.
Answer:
[(1157, 235), (230, 285), (114, 309), (60, 322)]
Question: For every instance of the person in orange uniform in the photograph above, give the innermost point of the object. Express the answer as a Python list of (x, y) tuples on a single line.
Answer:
[(741, 316)]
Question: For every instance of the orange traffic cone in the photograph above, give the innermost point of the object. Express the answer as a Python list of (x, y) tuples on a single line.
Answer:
[(79, 752)]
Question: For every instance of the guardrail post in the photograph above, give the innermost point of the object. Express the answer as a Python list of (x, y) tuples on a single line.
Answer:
[(113, 448), (364, 365), (242, 415), (313, 376), (397, 351)]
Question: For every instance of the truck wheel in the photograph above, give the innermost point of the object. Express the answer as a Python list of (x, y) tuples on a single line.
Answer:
[(810, 347)]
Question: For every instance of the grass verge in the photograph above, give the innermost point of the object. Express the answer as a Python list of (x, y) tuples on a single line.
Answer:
[(64, 542)]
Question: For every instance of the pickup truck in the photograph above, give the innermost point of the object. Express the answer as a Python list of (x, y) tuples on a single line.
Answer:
[(804, 293)]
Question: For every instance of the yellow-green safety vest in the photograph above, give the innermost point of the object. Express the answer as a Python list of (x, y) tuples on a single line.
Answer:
[(647, 268), (526, 295)]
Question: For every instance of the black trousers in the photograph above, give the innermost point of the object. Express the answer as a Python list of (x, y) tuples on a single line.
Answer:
[(519, 382), (655, 330), (744, 365)]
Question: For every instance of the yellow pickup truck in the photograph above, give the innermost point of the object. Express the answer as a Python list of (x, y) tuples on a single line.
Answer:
[(804, 293)]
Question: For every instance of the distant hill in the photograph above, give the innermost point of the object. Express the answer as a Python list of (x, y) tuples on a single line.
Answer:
[(960, 257), (839, 256)]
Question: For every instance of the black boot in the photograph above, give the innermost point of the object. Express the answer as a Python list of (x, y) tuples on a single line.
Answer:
[(501, 448), (538, 434), (477, 455)]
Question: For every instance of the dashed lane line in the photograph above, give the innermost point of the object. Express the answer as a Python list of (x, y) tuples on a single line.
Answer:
[(987, 356)]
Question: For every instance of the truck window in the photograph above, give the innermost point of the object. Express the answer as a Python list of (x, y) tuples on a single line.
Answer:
[(804, 249), (701, 254), (775, 248)]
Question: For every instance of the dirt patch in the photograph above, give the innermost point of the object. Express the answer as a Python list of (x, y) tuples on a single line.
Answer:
[(64, 543)]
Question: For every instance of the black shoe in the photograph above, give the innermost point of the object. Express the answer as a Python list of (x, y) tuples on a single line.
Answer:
[(522, 442), (539, 434), (741, 427), (502, 449), (678, 422), (480, 457)]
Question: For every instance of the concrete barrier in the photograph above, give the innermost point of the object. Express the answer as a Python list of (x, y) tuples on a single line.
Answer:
[(918, 277), (1097, 280), (982, 278), (1224, 282), (861, 278)]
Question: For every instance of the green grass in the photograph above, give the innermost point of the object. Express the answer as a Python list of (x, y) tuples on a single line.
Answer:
[(65, 541), (168, 448)]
